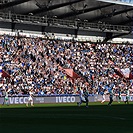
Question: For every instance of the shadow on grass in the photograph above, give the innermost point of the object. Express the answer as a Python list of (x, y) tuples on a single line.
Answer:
[(65, 118)]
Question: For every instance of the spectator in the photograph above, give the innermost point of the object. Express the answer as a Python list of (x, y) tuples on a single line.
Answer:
[(35, 62)]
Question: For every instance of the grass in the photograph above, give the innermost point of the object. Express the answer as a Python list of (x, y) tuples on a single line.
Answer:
[(67, 118)]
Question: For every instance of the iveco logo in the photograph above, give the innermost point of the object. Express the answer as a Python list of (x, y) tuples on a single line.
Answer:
[(65, 99)]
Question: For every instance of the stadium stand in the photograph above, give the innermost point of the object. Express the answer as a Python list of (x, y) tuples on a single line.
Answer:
[(63, 66), (42, 64)]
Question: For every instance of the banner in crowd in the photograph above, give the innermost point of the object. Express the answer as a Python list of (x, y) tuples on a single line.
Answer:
[(131, 74), (3, 73), (71, 73), (124, 72), (59, 99)]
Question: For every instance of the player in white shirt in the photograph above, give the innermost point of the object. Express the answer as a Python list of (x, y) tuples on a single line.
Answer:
[(6, 98), (30, 98), (126, 98), (103, 96)]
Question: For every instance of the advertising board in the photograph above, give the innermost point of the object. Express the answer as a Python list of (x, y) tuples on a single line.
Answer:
[(59, 99)]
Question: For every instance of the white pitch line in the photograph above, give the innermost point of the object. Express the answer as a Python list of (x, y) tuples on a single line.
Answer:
[(119, 118)]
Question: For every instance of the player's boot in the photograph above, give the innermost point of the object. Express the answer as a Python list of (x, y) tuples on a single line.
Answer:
[(78, 103)]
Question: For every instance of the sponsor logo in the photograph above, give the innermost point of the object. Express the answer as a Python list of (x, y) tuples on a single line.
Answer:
[(18, 100), (131, 98), (65, 99), (39, 100)]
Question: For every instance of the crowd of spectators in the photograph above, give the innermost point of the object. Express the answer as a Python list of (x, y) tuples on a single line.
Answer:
[(34, 63)]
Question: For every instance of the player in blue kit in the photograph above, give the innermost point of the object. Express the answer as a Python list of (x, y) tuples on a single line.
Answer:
[(83, 97), (110, 97)]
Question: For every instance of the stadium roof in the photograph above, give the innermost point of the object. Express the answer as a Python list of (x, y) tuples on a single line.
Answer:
[(93, 11)]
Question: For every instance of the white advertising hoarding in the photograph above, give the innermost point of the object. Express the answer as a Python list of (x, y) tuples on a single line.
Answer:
[(59, 99)]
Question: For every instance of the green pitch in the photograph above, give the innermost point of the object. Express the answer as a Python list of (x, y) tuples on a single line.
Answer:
[(67, 118)]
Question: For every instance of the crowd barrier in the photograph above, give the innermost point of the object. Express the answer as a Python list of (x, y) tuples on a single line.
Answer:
[(59, 99)]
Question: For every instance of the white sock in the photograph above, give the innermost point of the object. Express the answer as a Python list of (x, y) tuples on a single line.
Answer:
[(27, 104), (31, 103)]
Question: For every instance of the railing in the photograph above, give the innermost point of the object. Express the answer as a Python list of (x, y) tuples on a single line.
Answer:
[(54, 22)]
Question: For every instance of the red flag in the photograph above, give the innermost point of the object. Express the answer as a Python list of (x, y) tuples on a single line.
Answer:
[(118, 72), (110, 62), (5, 74), (131, 74), (71, 73)]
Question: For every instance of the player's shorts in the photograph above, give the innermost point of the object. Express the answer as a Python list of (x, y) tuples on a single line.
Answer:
[(30, 99), (103, 97), (124, 98), (83, 99), (127, 97), (119, 97), (6, 98)]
